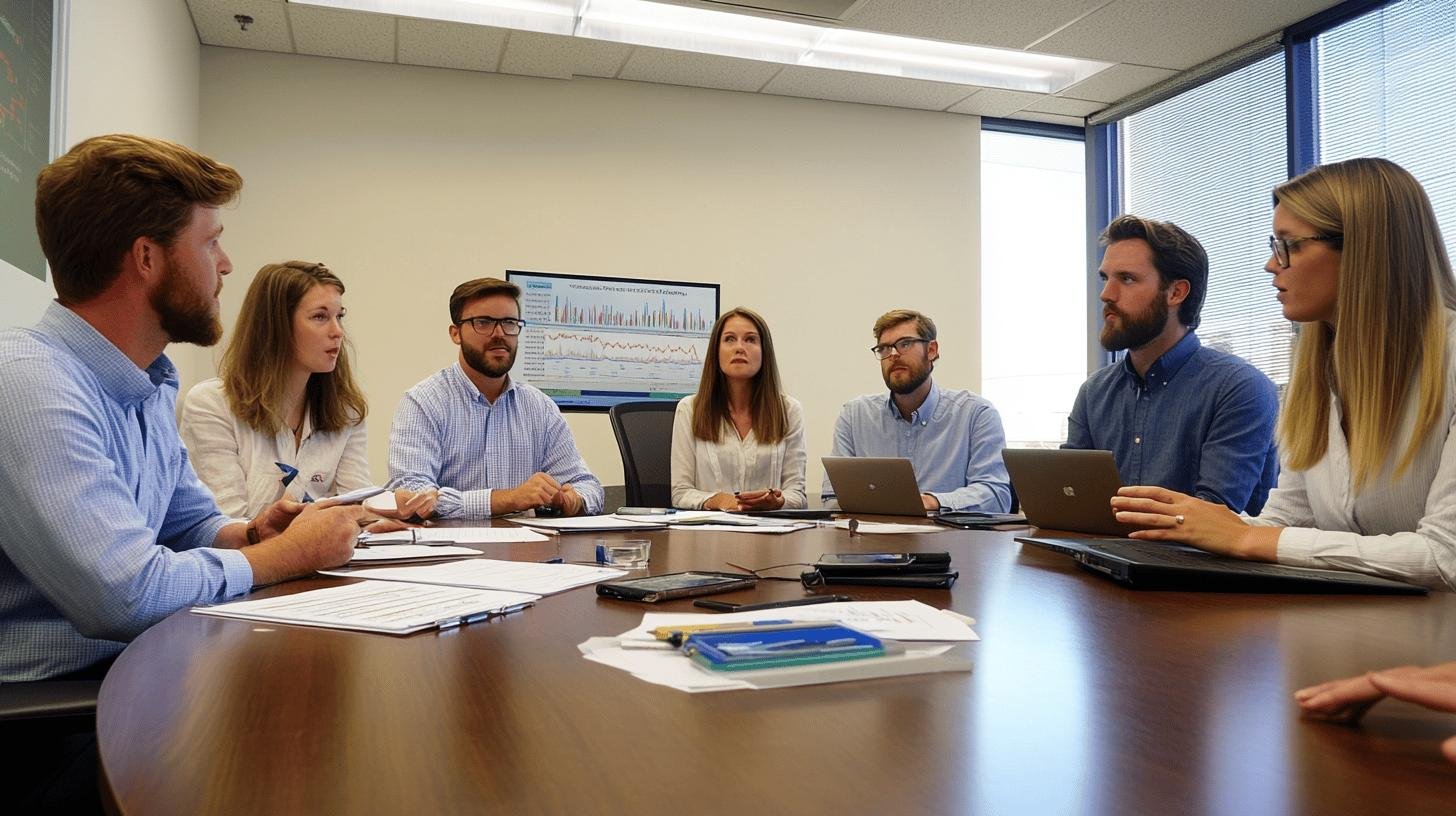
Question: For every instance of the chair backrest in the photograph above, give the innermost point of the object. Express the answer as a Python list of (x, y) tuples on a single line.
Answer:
[(644, 436)]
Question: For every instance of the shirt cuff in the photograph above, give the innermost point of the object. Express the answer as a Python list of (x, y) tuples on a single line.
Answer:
[(237, 573), (1296, 547)]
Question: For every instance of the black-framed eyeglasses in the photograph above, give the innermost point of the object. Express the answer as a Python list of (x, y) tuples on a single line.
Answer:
[(901, 346), (486, 325), (1281, 246)]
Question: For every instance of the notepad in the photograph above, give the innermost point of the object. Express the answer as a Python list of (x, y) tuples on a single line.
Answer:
[(373, 606), (453, 535), (390, 553), (486, 573)]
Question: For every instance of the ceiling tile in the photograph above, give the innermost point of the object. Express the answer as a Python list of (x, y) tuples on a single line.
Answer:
[(870, 89), (995, 102), (450, 45), (1064, 106), (1174, 33), (216, 26), (697, 70), (999, 23), (344, 34), (1049, 118), (1118, 82), (556, 57)]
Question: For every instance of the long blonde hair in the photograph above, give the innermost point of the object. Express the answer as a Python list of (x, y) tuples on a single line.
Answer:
[(254, 368), (710, 410), (1389, 332)]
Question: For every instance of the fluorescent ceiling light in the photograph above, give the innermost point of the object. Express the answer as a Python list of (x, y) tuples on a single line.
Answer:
[(706, 31)]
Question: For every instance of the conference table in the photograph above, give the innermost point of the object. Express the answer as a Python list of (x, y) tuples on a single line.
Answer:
[(1084, 697)]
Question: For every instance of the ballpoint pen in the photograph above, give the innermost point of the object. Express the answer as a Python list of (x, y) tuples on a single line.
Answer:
[(476, 617)]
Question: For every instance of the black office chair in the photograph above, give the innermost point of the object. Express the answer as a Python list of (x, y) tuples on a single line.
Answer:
[(644, 436), (54, 724)]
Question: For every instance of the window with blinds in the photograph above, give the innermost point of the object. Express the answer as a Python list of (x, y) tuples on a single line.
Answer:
[(1385, 89), (1208, 160)]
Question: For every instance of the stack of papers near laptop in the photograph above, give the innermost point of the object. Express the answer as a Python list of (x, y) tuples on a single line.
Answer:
[(885, 527), (375, 606), (927, 635), (723, 522), (486, 573), (594, 524)]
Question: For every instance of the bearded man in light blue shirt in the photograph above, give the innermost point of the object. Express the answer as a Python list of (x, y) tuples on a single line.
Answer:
[(105, 528), (953, 438)]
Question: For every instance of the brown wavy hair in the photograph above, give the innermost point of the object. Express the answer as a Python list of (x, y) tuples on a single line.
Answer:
[(254, 367), (710, 410), (94, 202)]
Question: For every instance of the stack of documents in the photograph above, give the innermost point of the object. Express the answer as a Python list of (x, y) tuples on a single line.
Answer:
[(594, 524), (486, 573), (928, 634), (719, 521), (370, 606), (434, 543)]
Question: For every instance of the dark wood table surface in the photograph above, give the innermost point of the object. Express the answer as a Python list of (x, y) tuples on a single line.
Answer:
[(1085, 697)]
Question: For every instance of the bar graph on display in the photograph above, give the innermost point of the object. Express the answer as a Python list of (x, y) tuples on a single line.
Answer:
[(592, 342)]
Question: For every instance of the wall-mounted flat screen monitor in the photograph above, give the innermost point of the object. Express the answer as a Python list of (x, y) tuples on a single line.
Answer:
[(592, 342)]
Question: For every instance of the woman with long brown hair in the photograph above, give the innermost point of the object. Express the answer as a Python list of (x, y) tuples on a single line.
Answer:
[(1369, 476), (285, 418), (738, 444)]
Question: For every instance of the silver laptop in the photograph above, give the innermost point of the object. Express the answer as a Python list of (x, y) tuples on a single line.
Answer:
[(868, 484), (1066, 489)]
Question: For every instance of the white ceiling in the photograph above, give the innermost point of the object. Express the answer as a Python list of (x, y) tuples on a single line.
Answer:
[(1148, 40)]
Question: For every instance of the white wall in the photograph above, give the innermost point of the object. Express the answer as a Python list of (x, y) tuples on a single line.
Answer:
[(133, 68), (407, 181)]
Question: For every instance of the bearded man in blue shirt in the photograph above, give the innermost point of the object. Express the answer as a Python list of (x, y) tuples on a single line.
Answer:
[(1174, 412)]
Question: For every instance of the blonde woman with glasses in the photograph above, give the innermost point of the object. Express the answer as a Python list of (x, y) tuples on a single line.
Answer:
[(285, 419), (1369, 476)]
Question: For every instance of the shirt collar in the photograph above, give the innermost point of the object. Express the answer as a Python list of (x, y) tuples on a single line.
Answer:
[(457, 374), (1166, 367), (119, 376), (924, 413)]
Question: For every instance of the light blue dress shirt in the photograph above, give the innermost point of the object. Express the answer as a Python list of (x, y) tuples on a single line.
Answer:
[(104, 527), (953, 441), (446, 435)]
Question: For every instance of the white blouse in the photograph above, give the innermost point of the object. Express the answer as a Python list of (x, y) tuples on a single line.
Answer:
[(1402, 528), (238, 464), (701, 468)]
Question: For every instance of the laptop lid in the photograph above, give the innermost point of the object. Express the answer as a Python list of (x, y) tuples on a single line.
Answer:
[(868, 484), (1066, 489), (1157, 565)]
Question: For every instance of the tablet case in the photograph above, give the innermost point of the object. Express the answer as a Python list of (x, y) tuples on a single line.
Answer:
[(656, 588)]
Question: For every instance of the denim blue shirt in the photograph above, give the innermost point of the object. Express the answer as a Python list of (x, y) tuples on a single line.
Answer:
[(953, 441), (104, 527), (446, 435), (1201, 422)]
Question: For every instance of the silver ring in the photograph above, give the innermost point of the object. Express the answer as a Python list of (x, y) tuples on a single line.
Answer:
[(1179, 519)]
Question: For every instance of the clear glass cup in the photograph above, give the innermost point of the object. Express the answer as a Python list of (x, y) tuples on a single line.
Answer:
[(632, 553)]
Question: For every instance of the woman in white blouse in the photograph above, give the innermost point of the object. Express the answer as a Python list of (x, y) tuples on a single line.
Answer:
[(738, 444), (285, 397), (1369, 476)]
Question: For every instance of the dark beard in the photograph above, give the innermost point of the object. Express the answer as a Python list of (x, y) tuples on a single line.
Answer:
[(478, 361), (184, 313), (1137, 331), (917, 379)]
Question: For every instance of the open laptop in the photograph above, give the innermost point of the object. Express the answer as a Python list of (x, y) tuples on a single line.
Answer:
[(1160, 565), (1066, 489), (880, 485)]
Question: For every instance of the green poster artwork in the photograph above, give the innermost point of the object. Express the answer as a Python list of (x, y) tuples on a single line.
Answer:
[(25, 125)]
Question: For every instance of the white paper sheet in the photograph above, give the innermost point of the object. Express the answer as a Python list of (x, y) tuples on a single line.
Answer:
[(408, 552), (594, 524), (486, 573), (372, 606), (882, 527), (457, 535)]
